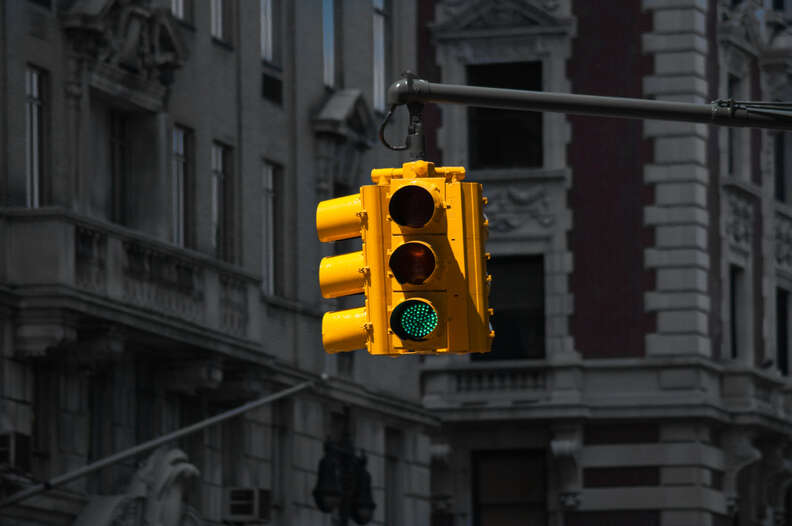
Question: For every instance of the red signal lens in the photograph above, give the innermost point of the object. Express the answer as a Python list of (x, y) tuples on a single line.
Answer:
[(411, 206), (412, 263)]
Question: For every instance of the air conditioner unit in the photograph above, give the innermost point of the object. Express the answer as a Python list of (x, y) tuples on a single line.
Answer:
[(247, 505), (15, 450)]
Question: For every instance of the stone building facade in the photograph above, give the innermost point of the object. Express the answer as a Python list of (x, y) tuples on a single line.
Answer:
[(160, 164), (640, 371)]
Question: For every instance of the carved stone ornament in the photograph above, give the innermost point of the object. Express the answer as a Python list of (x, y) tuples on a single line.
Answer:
[(739, 221), (344, 129), (495, 15), (566, 449), (135, 37), (511, 208), (783, 242), (154, 497), (743, 26), (738, 453)]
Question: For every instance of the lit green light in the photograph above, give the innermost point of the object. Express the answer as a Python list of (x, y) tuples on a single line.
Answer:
[(414, 320)]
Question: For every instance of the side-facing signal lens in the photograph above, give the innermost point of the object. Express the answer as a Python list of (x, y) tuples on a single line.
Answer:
[(413, 262), (411, 206)]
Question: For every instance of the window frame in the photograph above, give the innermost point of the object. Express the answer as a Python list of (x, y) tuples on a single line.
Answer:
[(182, 156), (221, 25), (494, 127), (36, 129), (271, 224), (221, 201), (535, 263), (380, 30), (118, 139)]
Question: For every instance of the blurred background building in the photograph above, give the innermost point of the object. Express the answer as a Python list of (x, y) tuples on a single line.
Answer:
[(161, 163), (159, 169), (640, 370)]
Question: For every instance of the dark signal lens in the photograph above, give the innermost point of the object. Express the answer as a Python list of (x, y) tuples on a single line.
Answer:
[(413, 320), (412, 263), (411, 206)]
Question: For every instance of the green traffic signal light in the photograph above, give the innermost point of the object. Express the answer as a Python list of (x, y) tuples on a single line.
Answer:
[(414, 319)]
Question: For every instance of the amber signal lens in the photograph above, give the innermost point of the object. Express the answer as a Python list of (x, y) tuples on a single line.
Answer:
[(412, 263)]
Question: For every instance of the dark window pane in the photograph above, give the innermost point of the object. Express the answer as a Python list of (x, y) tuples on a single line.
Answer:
[(621, 433), (509, 487), (614, 518), (626, 476), (782, 330), (518, 299), (272, 88), (505, 138)]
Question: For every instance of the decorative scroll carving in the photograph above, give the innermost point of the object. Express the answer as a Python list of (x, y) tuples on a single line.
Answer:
[(783, 242), (776, 479), (739, 221), (163, 282), (154, 496), (90, 259), (511, 208), (233, 305), (566, 449)]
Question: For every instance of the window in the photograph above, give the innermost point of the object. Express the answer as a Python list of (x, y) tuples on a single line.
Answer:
[(505, 138), (379, 24), (509, 484), (35, 88), (518, 299), (779, 5), (119, 157), (182, 9), (779, 169), (329, 42), (221, 196), (272, 240), (181, 160), (267, 31), (736, 310), (221, 20), (782, 330)]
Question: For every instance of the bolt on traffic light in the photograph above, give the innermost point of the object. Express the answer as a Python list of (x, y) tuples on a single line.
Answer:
[(422, 266)]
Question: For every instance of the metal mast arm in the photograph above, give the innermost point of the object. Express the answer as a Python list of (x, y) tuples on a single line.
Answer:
[(778, 116)]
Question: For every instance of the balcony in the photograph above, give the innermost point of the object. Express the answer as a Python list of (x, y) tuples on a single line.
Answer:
[(694, 387), (91, 270)]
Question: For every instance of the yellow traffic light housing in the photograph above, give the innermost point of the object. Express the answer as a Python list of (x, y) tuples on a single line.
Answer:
[(422, 265)]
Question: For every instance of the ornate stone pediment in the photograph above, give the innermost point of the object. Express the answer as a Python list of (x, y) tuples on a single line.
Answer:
[(133, 46), (344, 127), (469, 19), (743, 26)]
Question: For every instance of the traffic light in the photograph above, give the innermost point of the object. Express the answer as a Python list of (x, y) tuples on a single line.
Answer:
[(422, 266)]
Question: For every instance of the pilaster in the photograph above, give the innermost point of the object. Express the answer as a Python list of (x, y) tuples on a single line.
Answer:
[(680, 177)]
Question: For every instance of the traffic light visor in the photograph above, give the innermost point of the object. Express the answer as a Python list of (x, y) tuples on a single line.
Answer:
[(411, 206), (414, 319), (413, 262)]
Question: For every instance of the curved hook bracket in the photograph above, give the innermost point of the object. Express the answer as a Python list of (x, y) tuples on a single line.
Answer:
[(382, 131)]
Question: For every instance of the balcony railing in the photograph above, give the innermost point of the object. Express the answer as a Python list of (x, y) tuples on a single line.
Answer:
[(55, 248)]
